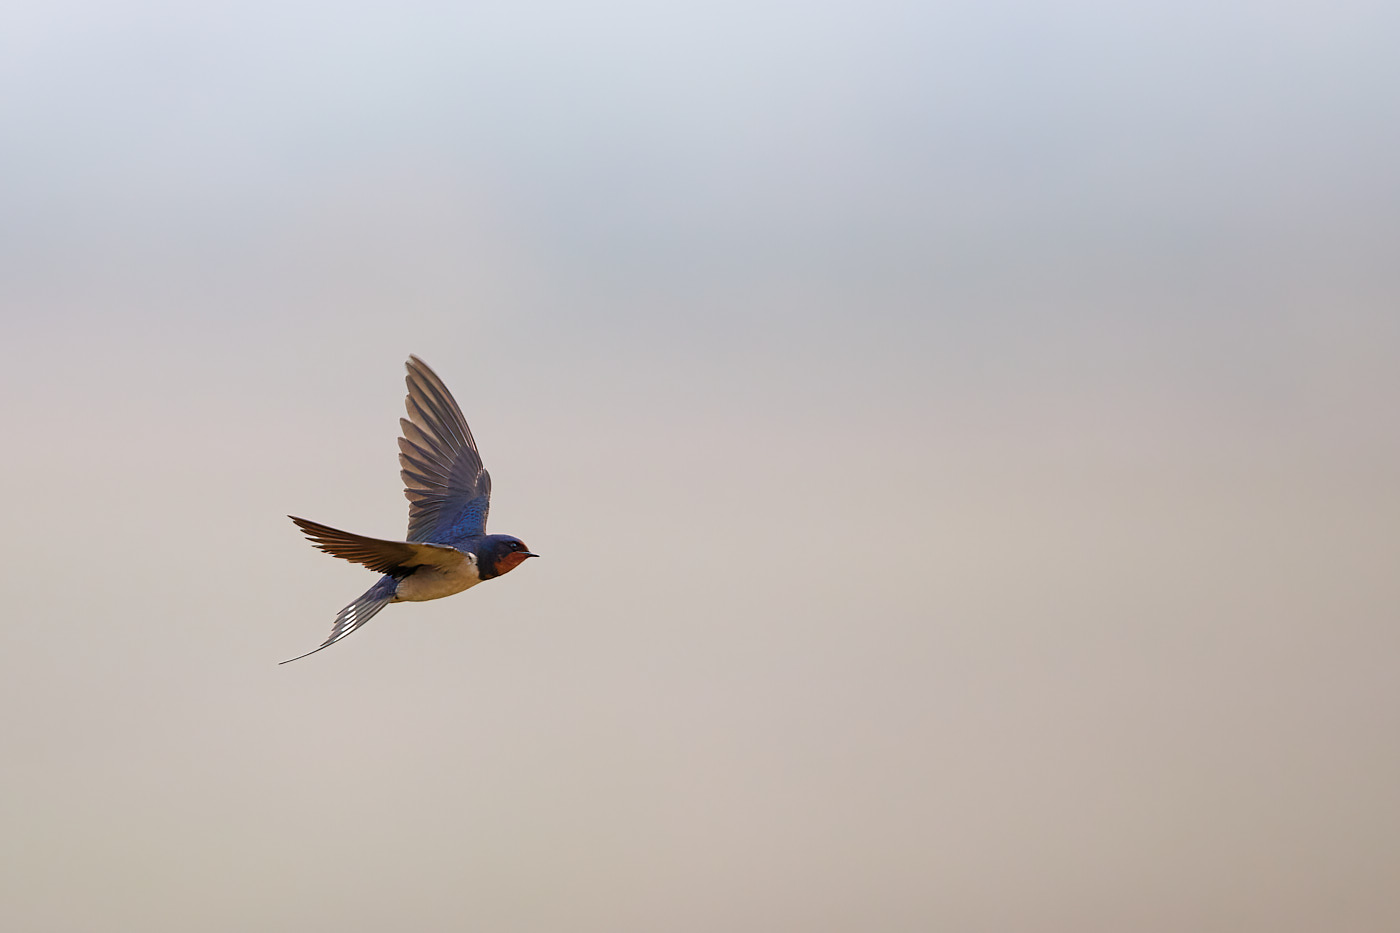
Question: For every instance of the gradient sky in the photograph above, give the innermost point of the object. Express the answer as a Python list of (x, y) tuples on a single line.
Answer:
[(961, 439)]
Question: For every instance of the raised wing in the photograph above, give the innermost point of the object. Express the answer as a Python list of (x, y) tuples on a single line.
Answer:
[(448, 490)]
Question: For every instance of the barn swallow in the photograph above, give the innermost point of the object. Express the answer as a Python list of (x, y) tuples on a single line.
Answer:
[(449, 494)]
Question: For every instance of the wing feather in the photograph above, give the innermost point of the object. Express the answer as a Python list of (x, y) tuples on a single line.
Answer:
[(375, 553), (448, 489)]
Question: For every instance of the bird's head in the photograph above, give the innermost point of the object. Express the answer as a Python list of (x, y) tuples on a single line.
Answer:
[(500, 554)]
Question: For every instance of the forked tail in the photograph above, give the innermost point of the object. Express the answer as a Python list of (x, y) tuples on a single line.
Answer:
[(357, 613)]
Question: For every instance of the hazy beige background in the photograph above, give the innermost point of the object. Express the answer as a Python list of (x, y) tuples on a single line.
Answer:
[(961, 437)]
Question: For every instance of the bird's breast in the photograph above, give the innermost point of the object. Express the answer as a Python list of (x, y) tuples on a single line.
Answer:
[(437, 581)]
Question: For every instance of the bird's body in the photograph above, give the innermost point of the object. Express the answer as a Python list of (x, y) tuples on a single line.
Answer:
[(449, 494), (436, 581)]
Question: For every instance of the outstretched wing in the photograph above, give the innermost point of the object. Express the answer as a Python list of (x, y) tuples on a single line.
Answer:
[(396, 557), (448, 490)]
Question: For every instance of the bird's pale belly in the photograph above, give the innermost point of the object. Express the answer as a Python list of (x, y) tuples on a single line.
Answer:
[(437, 582)]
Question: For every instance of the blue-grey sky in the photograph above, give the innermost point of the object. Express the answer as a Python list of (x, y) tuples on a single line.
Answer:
[(960, 439)]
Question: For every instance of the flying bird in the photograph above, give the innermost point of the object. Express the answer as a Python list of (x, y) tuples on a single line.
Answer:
[(449, 494)]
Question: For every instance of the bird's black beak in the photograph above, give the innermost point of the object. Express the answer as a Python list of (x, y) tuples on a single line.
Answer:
[(528, 554)]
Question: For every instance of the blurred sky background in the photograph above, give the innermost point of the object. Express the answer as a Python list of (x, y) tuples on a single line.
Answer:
[(961, 439)]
